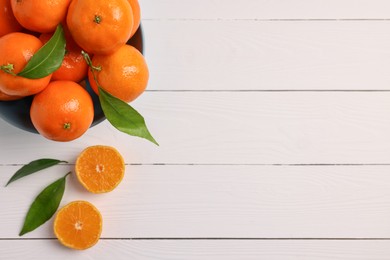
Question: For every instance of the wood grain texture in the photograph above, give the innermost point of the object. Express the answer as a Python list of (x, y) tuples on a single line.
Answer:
[(202, 250), (235, 128), (267, 55), (221, 202), (264, 9)]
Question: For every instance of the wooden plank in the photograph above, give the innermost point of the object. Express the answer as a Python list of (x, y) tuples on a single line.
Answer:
[(235, 128), (270, 55), (221, 202), (191, 250), (263, 9)]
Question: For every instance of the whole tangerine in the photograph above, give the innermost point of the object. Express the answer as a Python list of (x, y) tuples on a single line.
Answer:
[(5, 97), (73, 67), (40, 16), (124, 74), (136, 15), (16, 49), (100, 26), (8, 22), (63, 111)]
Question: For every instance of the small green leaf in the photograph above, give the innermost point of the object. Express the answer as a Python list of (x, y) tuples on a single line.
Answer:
[(123, 117), (44, 205), (48, 58), (32, 167)]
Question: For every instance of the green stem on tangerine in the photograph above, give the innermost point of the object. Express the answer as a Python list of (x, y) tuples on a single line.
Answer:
[(97, 19), (9, 68), (93, 68)]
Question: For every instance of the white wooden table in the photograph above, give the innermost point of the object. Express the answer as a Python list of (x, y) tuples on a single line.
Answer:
[(273, 119)]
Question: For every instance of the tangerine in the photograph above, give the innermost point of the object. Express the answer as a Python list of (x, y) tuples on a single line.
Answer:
[(136, 15), (8, 22), (100, 26), (63, 111), (5, 97), (16, 49), (124, 74), (78, 225), (40, 16), (73, 67), (100, 168)]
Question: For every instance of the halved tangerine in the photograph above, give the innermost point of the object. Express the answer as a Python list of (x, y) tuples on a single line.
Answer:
[(78, 225), (100, 168)]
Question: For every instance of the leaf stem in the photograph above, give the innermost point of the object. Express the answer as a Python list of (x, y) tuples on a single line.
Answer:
[(89, 63)]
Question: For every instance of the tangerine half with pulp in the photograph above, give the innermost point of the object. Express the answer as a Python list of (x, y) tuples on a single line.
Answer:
[(100, 168), (78, 225)]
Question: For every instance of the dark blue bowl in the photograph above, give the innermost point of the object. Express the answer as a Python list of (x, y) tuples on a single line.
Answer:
[(17, 113)]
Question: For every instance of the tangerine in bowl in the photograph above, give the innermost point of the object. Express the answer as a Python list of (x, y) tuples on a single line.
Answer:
[(17, 112)]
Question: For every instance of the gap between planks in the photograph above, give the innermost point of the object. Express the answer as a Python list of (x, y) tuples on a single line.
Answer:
[(218, 238), (268, 20), (229, 164)]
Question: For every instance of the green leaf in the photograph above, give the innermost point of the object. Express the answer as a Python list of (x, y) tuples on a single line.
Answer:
[(123, 117), (48, 58), (32, 167), (44, 205)]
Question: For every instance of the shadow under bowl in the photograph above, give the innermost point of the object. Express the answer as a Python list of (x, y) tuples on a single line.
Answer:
[(17, 113)]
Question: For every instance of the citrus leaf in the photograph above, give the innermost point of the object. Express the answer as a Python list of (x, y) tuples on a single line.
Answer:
[(123, 117), (44, 205), (32, 167), (48, 58)]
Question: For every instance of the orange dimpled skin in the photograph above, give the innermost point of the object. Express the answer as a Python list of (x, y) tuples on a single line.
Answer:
[(124, 74), (63, 111), (73, 67), (100, 26), (5, 97), (136, 15), (78, 225), (16, 49), (100, 168), (8, 22), (40, 16)]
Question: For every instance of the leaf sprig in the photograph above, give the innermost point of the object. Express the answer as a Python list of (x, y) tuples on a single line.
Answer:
[(44, 205), (119, 113), (48, 58), (33, 167), (47, 202)]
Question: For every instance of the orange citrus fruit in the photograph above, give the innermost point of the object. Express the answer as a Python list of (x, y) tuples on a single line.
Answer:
[(5, 97), (16, 49), (73, 67), (136, 15), (124, 74), (8, 22), (100, 168), (63, 111), (100, 26), (40, 16), (78, 225)]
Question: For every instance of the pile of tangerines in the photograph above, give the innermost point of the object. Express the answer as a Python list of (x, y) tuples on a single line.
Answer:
[(62, 109)]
